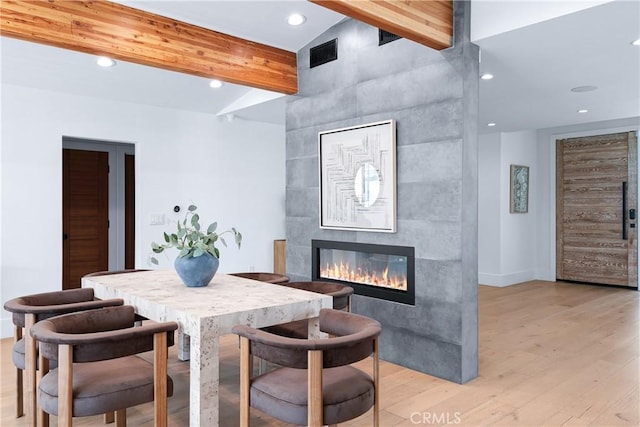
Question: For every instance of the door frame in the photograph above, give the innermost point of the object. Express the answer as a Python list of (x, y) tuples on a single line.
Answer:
[(554, 137), (116, 151)]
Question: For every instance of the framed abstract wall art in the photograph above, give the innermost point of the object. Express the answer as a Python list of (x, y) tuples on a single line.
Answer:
[(519, 189), (358, 177)]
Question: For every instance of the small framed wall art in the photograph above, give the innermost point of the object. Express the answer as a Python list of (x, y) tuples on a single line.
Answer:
[(358, 177), (519, 189)]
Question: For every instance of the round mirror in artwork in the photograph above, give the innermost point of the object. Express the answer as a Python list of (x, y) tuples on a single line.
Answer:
[(367, 184)]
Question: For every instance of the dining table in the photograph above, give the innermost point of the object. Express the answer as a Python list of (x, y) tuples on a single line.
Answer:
[(204, 314)]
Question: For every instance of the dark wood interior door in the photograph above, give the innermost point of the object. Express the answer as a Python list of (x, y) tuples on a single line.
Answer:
[(596, 209), (85, 200), (129, 211)]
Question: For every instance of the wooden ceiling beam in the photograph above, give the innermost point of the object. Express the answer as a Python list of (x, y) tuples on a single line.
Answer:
[(429, 22), (133, 35)]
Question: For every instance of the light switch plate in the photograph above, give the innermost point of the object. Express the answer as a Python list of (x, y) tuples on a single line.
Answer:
[(156, 219)]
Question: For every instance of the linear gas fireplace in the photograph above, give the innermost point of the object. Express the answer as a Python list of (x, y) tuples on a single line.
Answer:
[(379, 271)]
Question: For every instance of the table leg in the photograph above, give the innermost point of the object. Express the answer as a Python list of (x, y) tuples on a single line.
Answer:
[(314, 329), (183, 346), (204, 382)]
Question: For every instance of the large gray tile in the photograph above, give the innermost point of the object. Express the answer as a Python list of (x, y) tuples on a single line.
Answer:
[(301, 202), (298, 260), (439, 121), (426, 85), (433, 357), (438, 240), (298, 230), (321, 109), (429, 201), (399, 56), (438, 320), (439, 280), (433, 161), (302, 172), (302, 142)]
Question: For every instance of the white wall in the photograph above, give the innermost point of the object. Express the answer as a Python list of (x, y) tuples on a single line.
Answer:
[(234, 172), (518, 235), (506, 241), (489, 182)]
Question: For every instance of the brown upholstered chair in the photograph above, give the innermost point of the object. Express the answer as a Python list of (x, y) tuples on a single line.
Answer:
[(315, 384), (26, 311), (139, 318), (110, 272), (264, 277), (98, 371), (299, 329)]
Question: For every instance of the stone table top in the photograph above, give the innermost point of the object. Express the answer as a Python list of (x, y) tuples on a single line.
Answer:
[(230, 300)]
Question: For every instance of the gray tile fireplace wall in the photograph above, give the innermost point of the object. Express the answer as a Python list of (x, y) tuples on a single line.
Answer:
[(433, 96)]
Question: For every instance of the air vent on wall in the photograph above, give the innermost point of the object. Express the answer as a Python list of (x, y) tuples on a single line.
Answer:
[(385, 37), (323, 53)]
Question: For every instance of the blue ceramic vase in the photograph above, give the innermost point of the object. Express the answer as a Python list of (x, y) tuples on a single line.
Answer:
[(196, 272)]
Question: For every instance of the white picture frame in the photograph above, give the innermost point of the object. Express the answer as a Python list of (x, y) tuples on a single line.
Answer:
[(358, 177)]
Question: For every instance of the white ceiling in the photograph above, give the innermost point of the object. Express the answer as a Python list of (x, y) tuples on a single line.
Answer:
[(535, 66)]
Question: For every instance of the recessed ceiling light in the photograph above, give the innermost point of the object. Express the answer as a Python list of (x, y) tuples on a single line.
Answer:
[(636, 42), (486, 76), (584, 88), (215, 84), (103, 61), (491, 124), (296, 19), (583, 110)]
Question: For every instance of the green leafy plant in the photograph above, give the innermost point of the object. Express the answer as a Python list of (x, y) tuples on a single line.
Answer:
[(191, 241)]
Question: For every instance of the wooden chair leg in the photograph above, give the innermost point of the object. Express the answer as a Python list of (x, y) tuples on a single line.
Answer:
[(30, 371), (65, 385), (376, 384), (109, 417), (19, 394), (245, 381), (43, 363), (160, 355), (121, 418), (17, 335), (314, 385)]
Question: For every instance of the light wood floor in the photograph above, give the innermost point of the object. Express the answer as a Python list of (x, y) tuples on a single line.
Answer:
[(551, 354)]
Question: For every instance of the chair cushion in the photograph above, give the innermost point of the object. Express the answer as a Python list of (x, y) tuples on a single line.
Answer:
[(18, 356), (340, 293), (104, 386), (295, 329), (282, 393), (264, 277)]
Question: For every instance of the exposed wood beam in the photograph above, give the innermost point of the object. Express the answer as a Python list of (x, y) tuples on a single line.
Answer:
[(128, 34), (429, 22)]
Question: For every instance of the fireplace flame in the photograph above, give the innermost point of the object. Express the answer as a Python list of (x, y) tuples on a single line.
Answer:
[(344, 272)]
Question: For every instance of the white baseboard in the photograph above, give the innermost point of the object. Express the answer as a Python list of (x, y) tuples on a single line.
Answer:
[(502, 280)]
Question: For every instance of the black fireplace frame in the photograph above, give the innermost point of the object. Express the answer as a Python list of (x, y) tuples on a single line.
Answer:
[(389, 294)]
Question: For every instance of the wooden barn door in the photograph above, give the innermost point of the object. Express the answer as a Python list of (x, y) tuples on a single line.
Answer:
[(85, 217), (596, 209)]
